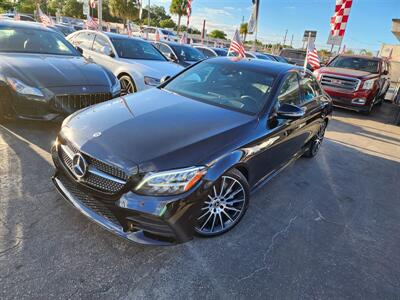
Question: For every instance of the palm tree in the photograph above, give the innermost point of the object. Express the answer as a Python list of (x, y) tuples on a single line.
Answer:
[(243, 31), (178, 7)]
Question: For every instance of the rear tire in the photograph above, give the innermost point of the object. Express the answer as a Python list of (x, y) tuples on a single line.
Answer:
[(316, 142), (225, 205)]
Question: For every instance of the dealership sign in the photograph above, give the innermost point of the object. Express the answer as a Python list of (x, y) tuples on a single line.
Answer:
[(86, 7), (334, 40), (309, 33)]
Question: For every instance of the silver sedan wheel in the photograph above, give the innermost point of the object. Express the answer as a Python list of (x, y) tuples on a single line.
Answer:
[(127, 85), (224, 207)]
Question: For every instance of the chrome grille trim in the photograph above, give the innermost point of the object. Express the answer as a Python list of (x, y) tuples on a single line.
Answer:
[(72, 103), (95, 178), (340, 82)]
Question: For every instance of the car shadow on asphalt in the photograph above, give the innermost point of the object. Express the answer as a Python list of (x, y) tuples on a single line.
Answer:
[(329, 221)]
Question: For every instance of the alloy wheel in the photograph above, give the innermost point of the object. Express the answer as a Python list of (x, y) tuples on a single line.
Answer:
[(318, 139), (127, 85), (223, 208)]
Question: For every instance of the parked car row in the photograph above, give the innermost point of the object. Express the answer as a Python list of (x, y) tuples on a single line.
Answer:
[(179, 159)]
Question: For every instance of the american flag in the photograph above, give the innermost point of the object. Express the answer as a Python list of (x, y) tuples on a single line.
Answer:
[(44, 19), (157, 35), (236, 45), (188, 11), (91, 24), (340, 18), (312, 56), (183, 39)]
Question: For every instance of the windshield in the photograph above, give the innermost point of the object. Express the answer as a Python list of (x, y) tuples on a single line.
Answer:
[(136, 49), (356, 63), (262, 56), (64, 30), (167, 32), (227, 84), (221, 52), (29, 40), (186, 53), (294, 54)]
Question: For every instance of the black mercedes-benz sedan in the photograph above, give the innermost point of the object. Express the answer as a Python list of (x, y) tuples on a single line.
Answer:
[(159, 166), (43, 77)]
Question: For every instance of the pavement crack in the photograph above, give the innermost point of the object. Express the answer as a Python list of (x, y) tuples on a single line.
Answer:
[(269, 249), (5, 252)]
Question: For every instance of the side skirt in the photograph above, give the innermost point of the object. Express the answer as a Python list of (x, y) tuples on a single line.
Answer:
[(271, 175)]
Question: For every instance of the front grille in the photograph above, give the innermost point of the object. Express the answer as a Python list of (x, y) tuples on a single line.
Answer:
[(91, 202), (338, 82), (100, 176), (71, 103)]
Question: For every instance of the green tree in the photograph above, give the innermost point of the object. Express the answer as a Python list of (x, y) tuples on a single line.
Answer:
[(167, 23), (366, 52), (243, 31), (179, 8), (72, 8), (349, 51), (125, 10), (217, 34), (5, 6)]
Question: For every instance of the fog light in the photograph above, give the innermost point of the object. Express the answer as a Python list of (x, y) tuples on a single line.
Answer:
[(359, 101)]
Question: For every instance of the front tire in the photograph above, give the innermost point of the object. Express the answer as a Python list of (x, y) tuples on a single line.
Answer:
[(127, 85), (225, 205)]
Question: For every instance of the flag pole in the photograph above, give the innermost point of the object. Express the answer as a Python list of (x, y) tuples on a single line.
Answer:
[(308, 44)]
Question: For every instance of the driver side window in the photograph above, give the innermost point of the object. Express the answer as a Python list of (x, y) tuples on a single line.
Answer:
[(99, 43), (290, 91)]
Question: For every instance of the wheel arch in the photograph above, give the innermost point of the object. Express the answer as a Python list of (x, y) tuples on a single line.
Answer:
[(233, 160)]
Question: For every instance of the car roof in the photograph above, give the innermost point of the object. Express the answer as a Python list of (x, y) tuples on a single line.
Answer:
[(360, 56), (111, 34), (173, 43), (23, 24), (267, 66)]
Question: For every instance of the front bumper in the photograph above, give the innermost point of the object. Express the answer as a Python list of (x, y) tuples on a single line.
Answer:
[(142, 219), (57, 103), (344, 99)]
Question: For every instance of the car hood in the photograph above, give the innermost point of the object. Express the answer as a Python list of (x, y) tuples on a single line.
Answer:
[(156, 130), (46, 71), (346, 72), (154, 68)]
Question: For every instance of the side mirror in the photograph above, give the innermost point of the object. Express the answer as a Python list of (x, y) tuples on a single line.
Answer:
[(290, 111), (164, 79), (107, 51), (172, 57), (80, 50)]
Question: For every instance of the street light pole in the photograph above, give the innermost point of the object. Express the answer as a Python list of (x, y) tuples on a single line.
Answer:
[(148, 15), (100, 14)]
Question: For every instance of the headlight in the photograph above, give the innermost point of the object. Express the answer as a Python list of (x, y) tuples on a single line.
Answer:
[(23, 89), (368, 84), (116, 88), (151, 81), (170, 182)]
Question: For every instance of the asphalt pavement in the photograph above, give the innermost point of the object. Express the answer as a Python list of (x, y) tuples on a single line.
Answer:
[(324, 228)]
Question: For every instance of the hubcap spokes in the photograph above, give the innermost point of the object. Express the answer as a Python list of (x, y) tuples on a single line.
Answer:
[(223, 207), (126, 87), (319, 138)]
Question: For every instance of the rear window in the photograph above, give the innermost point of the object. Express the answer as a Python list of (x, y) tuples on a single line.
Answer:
[(293, 54)]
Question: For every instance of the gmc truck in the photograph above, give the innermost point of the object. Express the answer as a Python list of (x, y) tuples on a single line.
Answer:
[(355, 82)]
